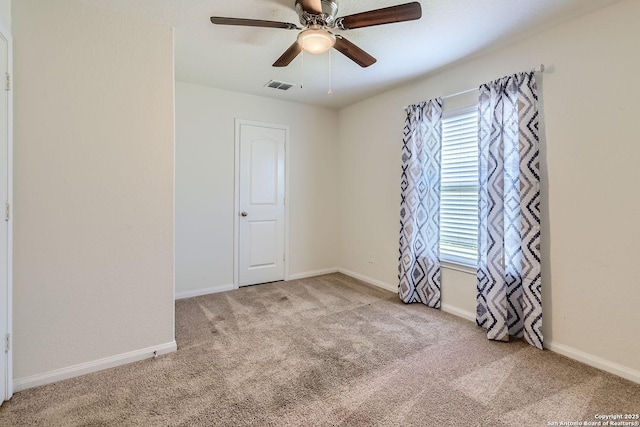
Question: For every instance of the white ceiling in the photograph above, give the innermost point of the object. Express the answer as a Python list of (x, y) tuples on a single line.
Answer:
[(240, 58)]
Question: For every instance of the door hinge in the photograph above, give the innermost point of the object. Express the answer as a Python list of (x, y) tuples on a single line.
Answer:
[(284, 258), (7, 343), (8, 82), (7, 211)]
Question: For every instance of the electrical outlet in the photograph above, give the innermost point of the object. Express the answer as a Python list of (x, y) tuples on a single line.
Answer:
[(371, 258)]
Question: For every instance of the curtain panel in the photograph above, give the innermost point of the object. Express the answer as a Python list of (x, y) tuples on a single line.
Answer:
[(509, 299), (419, 263)]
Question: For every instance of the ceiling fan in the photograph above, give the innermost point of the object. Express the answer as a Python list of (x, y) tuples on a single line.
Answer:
[(318, 17)]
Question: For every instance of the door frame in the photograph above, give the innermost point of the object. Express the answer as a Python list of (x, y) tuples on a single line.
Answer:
[(236, 196), (6, 35)]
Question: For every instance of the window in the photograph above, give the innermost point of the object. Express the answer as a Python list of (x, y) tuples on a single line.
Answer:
[(459, 187)]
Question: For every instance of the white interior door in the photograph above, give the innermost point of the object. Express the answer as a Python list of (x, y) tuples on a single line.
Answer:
[(6, 388), (261, 203)]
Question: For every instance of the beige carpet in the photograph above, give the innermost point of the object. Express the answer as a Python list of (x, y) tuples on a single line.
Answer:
[(328, 351)]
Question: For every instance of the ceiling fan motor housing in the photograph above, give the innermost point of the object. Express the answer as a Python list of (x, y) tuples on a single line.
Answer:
[(325, 19)]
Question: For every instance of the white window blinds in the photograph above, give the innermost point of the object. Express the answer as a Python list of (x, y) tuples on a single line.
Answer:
[(459, 188)]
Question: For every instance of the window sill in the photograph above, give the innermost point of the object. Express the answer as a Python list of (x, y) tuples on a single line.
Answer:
[(459, 267)]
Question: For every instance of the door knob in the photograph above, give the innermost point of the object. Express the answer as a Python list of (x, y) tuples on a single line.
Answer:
[(243, 213)]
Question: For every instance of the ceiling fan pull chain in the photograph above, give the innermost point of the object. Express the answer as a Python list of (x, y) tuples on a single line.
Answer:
[(330, 91), (302, 69)]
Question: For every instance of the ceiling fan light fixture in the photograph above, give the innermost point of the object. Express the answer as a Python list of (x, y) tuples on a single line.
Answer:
[(316, 40)]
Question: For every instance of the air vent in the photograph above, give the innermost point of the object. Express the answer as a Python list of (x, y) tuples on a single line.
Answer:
[(279, 85)]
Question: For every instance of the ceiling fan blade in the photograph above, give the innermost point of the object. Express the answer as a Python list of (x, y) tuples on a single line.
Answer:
[(312, 6), (288, 55), (221, 20), (353, 52), (387, 15)]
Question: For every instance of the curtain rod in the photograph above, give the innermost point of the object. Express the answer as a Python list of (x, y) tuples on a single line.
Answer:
[(540, 69)]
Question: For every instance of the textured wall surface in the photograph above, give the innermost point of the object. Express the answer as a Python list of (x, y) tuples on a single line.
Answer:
[(93, 179)]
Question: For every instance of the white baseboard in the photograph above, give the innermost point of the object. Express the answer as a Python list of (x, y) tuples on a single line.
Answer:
[(377, 283), (386, 286), (306, 274), (458, 312), (20, 384), (230, 287), (594, 361), (571, 353), (204, 291)]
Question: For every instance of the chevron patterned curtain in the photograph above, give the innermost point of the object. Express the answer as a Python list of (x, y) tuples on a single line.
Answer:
[(419, 269), (509, 287)]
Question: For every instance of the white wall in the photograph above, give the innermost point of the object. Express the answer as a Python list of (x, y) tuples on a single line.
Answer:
[(205, 183), (591, 238), (93, 177), (93, 251), (5, 14)]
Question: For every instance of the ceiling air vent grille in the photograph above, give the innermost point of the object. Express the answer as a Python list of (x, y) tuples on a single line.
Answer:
[(279, 85)]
